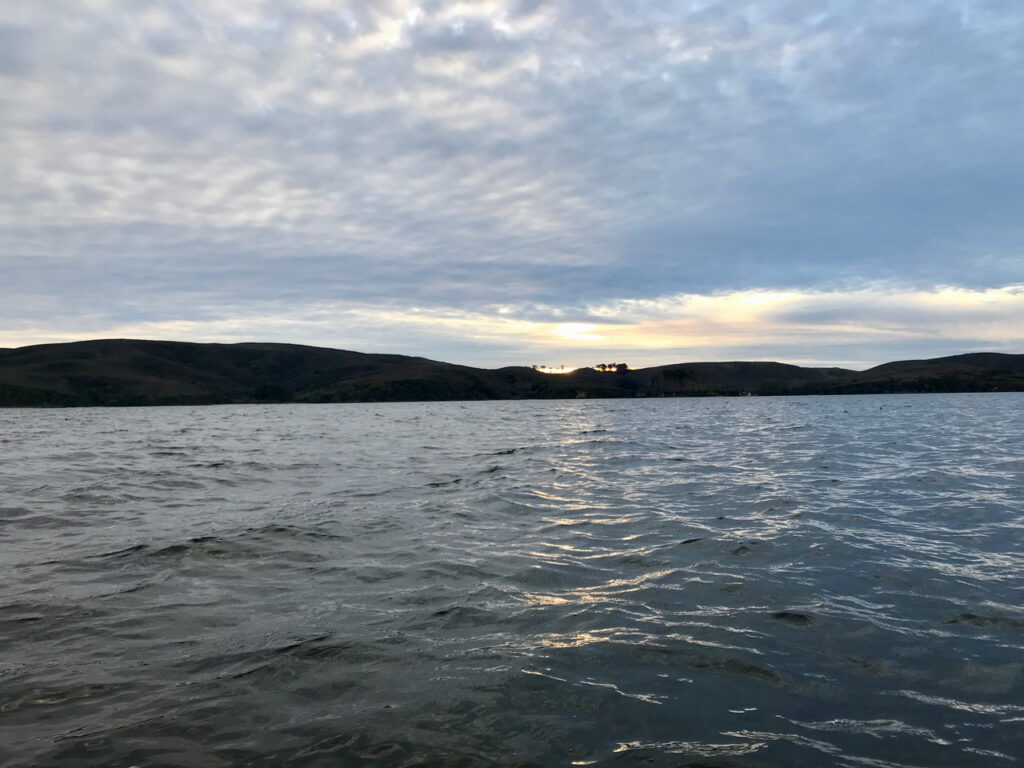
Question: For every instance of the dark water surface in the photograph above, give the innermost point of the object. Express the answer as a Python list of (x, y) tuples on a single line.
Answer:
[(750, 581)]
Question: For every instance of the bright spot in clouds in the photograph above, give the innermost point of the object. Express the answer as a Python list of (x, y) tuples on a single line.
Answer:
[(577, 332), (650, 331)]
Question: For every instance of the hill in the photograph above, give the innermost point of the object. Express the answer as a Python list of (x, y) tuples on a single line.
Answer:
[(134, 372)]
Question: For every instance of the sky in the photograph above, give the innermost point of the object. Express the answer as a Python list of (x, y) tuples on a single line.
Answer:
[(517, 182)]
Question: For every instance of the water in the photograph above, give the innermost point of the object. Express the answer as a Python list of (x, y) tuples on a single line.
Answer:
[(749, 581)]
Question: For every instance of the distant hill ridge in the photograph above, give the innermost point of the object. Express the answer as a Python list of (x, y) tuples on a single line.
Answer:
[(118, 372)]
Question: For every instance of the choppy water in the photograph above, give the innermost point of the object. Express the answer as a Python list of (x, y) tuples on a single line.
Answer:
[(751, 581)]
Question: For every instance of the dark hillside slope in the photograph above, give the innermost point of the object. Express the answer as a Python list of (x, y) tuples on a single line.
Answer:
[(975, 372), (735, 378), (133, 372), (130, 372)]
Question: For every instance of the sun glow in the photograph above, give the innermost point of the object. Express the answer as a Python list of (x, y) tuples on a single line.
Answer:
[(577, 331), (553, 369), (658, 330)]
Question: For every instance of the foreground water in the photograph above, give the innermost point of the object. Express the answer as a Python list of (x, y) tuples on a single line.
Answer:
[(749, 581)]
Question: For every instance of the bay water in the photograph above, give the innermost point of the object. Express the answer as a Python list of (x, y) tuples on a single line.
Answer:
[(804, 581)]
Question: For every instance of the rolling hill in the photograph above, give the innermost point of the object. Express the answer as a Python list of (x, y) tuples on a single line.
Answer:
[(133, 372)]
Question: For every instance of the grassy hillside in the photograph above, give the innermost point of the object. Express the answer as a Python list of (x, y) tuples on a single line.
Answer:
[(133, 372), (975, 372), (735, 378)]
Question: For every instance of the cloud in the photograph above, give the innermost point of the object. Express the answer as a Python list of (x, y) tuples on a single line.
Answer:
[(793, 326), (177, 162)]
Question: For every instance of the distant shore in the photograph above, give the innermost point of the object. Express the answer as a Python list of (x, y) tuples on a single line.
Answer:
[(127, 372)]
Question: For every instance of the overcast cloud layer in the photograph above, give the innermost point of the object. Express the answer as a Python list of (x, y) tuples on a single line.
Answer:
[(517, 182)]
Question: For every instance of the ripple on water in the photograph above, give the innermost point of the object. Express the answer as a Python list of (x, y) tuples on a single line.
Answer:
[(748, 582)]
